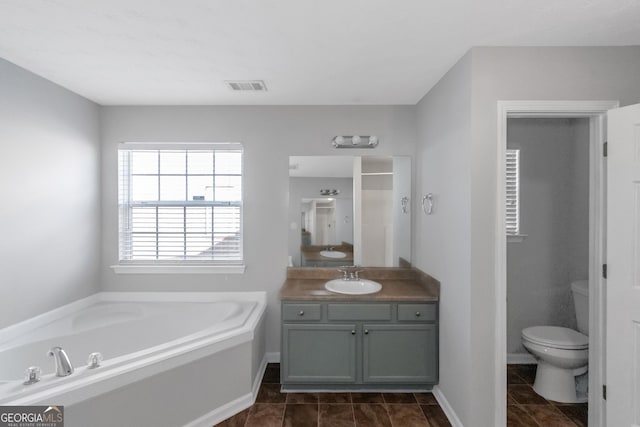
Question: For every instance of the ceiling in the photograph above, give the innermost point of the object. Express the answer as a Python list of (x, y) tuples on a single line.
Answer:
[(308, 52)]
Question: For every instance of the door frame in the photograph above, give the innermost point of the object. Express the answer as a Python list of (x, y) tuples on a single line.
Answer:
[(596, 112)]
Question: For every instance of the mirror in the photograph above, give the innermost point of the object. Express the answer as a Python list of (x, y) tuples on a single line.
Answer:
[(346, 210)]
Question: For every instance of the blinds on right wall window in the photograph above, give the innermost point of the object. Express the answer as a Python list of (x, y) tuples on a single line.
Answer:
[(513, 192)]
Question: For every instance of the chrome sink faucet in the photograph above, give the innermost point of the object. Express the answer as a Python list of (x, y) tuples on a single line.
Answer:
[(350, 272), (63, 364)]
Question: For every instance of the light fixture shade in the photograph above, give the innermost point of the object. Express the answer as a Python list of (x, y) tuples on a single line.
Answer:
[(355, 141)]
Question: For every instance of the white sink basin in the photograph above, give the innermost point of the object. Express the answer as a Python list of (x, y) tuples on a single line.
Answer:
[(353, 287), (333, 254)]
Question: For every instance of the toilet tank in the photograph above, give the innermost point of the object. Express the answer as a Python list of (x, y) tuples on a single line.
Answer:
[(580, 289)]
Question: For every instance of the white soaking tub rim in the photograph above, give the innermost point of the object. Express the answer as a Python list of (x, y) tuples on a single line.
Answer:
[(85, 383), (70, 324), (10, 332), (220, 329)]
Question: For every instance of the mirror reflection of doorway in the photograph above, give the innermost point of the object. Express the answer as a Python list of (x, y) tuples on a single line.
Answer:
[(325, 222), (318, 218)]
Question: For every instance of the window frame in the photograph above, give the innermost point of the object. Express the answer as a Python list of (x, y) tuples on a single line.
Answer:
[(181, 266)]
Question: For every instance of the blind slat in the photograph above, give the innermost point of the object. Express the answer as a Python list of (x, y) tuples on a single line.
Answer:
[(512, 190)]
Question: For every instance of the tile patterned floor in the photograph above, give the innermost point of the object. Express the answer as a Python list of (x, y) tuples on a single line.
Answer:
[(525, 408), (273, 408)]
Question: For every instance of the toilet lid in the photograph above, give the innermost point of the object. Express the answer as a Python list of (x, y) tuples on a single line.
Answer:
[(556, 337)]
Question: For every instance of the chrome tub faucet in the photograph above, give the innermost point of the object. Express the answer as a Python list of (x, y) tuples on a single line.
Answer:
[(63, 365)]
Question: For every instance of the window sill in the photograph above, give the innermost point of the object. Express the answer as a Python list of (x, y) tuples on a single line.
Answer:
[(177, 269), (516, 238)]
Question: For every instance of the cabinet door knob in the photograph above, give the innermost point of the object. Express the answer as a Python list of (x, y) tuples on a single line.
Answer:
[(301, 313), (417, 314), (366, 332), (353, 332)]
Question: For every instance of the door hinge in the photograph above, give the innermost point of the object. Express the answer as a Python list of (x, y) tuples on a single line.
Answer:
[(605, 149), (604, 271), (604, 391)]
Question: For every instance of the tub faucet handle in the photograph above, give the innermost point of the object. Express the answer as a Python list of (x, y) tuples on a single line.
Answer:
[(63, 364), (94, 360), (32, 375)]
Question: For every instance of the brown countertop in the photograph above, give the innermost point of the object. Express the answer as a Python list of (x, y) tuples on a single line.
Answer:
[(398, 284)]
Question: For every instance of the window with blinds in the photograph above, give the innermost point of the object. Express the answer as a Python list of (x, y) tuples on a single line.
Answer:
[(180, 203), (513, 192)]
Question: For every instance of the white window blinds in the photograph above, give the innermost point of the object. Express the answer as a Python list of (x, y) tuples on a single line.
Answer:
[(180, 203), (513, 192)]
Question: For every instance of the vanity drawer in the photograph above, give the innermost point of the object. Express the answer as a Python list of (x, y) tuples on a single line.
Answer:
[(359, 312), (417, 312), (301, 312)]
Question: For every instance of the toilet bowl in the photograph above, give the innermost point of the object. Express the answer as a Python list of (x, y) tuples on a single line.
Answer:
[(561, 353)]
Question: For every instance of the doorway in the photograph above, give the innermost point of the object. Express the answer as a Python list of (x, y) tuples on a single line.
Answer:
[(547, 212), (595, 113)]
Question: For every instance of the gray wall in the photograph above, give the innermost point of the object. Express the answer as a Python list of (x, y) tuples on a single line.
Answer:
[(442, 239), (490, 74), (300, 188), (589, 73), (49, 186), (270, 135), (554, 216)]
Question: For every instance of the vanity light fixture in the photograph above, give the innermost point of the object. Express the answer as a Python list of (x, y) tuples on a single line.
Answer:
[(355, 141), (328, 192)]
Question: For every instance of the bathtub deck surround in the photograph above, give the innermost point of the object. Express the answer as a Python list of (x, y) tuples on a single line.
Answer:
[(382, 341), (176, 346)]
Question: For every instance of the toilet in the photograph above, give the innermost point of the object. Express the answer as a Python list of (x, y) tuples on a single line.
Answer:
[(562, 353)]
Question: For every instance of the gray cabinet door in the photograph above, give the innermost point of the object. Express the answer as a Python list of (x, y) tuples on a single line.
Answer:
[(319, 353), (400, 353)]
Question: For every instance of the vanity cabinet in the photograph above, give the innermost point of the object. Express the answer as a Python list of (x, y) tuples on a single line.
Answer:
[(320, 353), (359, 346)]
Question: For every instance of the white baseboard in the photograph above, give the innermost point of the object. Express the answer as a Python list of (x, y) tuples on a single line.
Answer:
[(258, 379), (223, 412), (446, 407), (521, 359), (273, 357), (235, 406)]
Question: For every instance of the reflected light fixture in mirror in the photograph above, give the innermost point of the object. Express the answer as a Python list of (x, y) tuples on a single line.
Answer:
[(355, 141)]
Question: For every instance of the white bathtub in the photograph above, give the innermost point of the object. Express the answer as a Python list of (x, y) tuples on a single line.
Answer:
[(175, 338)]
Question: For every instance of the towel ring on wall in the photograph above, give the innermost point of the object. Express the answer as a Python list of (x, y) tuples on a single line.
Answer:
[(427, 199)]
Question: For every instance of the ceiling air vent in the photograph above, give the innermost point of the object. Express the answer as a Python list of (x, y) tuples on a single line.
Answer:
[(247, 85)]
